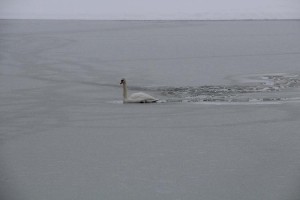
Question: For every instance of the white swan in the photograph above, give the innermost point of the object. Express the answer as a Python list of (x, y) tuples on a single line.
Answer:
[(139, 97)]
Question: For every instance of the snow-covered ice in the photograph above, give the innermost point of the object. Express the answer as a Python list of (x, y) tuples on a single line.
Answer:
[(227, 125)]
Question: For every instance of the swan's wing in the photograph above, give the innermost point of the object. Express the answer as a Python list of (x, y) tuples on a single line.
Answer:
[(142, 97)]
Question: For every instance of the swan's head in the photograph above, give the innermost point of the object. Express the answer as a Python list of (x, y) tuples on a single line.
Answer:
[(123, 81)]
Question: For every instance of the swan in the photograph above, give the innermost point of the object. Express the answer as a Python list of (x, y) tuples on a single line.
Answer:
[(139, 97)]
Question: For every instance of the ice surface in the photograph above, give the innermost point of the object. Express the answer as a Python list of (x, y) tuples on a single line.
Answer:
[(227, 126)]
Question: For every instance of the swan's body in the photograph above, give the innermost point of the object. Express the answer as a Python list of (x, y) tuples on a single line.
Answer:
[(139, 97)]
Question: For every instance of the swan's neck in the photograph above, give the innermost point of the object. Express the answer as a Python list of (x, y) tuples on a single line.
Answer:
[(124, 91)]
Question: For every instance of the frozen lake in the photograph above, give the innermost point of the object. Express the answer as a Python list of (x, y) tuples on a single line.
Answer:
[(226, 126)]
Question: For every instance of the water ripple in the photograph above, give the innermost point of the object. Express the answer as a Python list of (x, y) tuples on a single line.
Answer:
[(251, 89)]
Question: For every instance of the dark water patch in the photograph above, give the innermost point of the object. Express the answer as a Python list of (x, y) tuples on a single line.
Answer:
[(251, 88)]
